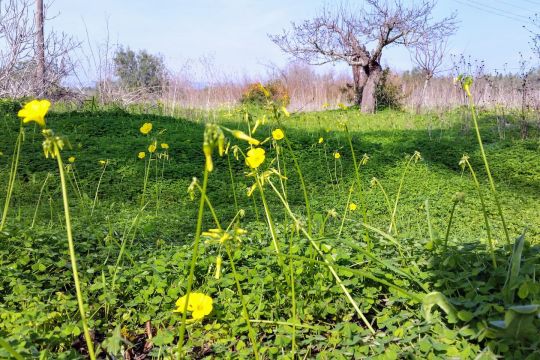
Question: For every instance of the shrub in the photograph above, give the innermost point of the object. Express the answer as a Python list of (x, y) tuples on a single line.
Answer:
[(389, 93), (257, 94), (140, 70)]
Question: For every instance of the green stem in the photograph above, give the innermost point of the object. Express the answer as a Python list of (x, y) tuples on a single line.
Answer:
[(346, 209), (245, 313), (302, 183), (449, 225), (145, 182), (327, 262), (193, 260), (268, 215), (39, 199), (232, 183), (293, 296), (393, 220), (72, 256), (10, 350), (97, 188), (361, 195), (484, 211), (486, 165), (386, 199), (430, 227), (12, 175)]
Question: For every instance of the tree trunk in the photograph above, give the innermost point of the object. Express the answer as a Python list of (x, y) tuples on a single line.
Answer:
[(359, 79), (369, 101), (40, 50)]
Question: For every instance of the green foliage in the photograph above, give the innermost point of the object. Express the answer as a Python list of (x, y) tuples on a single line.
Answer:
[(258, 95), (140, 70), (389, 94), (38, 311)]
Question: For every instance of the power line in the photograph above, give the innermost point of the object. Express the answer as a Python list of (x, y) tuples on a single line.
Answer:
[(491, 11), (515, 6), (501, 11)]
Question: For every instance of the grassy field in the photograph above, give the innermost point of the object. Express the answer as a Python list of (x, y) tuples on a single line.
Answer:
[(323, 260)]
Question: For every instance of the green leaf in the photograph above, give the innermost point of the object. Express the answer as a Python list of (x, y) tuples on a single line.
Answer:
[(437, 298), (523, 291), (514, 266)]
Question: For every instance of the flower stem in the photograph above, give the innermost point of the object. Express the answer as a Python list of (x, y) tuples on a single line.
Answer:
[(360, 191), (326, 261), (97, 188), (245, 313), (302, 183), (484, 211), (486, 165), (393, 221), (39, 199), (193, 260), (72, 256), (12, 175), (449, 225)]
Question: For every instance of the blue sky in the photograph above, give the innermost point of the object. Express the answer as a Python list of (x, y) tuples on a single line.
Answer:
[(234, 32)]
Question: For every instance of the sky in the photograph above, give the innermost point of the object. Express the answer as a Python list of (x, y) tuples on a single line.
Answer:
[(232, 35)]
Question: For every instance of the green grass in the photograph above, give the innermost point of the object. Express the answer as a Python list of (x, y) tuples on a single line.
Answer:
[(38, 311)]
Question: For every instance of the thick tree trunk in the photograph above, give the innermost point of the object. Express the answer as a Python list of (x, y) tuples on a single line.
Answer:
[(369, 101), (359, 79)]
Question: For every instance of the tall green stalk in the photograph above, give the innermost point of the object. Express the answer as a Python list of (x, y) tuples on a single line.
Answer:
[(72, 255), (484, 158), (484, 210), (361, 194), (232, 183), (268, 214), (39, 199), (393, 221), (302, 183), (12, 175), (449, 225), (251, 332), (194, 256), (145, 181), (327, 262), (97, 188), (376, 181)]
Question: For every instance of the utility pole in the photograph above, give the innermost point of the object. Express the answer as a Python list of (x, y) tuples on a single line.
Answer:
[(40, 47)]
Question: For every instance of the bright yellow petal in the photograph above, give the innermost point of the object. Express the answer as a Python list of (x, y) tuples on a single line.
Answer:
[(278, 134)]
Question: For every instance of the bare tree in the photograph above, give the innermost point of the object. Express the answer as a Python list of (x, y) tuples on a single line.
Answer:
[(40, 46), (345, 34), (535, 34), (21, 51), (429, 57)]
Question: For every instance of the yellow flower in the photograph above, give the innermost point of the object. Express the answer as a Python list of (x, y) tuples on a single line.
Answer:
[(35, 110), (146, 128), (243, 136), (337, 155), (152, 147), (141, 155), (165, 146), (199, 304), (278, 134), (71, 159), (255, 157), (321, 140), (102, 162), (352, 206), (325, 105), (285, 112)]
